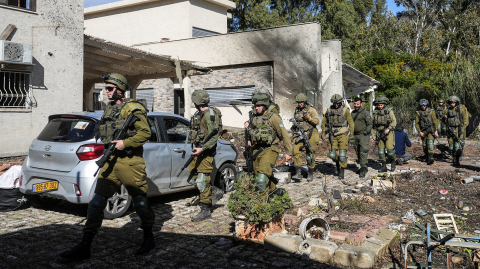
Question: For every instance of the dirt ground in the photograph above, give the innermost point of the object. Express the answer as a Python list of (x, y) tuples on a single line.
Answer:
[(33, 237)]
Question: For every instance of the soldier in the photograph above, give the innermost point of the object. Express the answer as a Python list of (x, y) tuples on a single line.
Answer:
[(266, 130), (126, 166), (205, 123), (441, 128), (361, 140), (384, 123), (337, 117), (307, 118), (456, 119), (426, 123)]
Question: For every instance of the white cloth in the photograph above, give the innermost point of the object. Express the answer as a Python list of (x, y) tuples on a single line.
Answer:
[(11, 179)]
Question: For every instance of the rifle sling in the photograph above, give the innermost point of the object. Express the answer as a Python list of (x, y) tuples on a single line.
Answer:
[(260, 150)]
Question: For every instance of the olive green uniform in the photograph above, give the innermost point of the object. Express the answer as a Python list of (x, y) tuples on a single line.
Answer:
[(125, 167), (441, 127), (430, 122), (340, 117), (201, 125), (457, 118), (363, 127), (266, 131), (384, 119), (310, 127)]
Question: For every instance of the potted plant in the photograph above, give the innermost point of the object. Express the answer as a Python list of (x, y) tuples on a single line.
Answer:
[(254, 217)]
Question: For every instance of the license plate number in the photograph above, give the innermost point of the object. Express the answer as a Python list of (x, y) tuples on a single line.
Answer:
[(45, 186)]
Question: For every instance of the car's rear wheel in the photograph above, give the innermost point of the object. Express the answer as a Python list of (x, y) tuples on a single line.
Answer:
[(227, 176), (43, 201), (118, 204)]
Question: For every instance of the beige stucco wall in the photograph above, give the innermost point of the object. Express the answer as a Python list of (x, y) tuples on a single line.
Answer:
[(150, 21), (56, 33)]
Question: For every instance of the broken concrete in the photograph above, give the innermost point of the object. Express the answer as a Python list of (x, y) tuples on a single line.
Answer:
[(354, 256), (318, 250), (282, 242), (283, 177)]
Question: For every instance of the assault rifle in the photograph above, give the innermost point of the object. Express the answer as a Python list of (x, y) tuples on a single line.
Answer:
[(329, 131), (451, 130), (380, 135), (302, 135), (214, 132), (119, 135), (248, 153), (429, 128)]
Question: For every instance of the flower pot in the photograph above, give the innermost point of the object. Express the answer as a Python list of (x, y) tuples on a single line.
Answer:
[(256, 233)]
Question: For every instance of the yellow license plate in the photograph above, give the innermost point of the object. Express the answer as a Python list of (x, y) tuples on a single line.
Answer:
[(46, 186)]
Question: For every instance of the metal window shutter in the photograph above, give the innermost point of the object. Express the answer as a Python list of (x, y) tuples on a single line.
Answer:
[(228, 96)]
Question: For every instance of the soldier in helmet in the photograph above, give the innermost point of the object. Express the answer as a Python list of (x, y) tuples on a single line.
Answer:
[(384, 123), (361, 141), (456, 116), (441, 128), (126, 167), (339, 118), (426, 125), (205, 121), (266, 130), (307, 118)]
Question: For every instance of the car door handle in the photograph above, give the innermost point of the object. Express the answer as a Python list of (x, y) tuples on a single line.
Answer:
[(178, 150)]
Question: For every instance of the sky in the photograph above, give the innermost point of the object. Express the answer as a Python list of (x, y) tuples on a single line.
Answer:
[(90, 3)]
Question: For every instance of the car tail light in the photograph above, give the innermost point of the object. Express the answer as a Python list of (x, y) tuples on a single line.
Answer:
[(90, 151), (78, 192), (21, 180)]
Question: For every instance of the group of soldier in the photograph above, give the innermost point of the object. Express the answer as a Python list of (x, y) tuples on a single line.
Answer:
[(264, 130)]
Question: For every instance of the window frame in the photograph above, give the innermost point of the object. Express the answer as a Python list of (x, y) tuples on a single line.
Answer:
[(167, 139), (28, 94), (33, 5)]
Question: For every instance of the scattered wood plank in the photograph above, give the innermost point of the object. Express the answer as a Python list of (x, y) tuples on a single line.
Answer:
[(7, 32)]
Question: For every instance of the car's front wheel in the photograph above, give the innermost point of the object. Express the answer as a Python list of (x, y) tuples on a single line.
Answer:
[(227, 177), (43, 201), (118, 204)]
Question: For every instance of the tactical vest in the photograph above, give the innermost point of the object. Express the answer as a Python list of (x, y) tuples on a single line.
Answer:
[(261, 132), (454, 117), (381, 118), (439, 112), (425, 114), (197, 132), (337, 116), (302, 122), (112, 121)]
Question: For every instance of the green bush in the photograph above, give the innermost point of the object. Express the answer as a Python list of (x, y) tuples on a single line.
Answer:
[(247, 202)]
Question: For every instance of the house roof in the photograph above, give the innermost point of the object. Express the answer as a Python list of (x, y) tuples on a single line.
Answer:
[(356, 83)]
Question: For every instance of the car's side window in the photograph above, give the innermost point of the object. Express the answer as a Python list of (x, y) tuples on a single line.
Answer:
[(153, 130), (177, 130)]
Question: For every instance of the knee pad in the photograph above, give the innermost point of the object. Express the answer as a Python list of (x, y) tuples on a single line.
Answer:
[(444, 129), (140, 204), (310, 158), (381, 154), (439, 127), (450, 147), (332, 155), (96, 206), (342, 155), (462, 143), (456, 146), (391, 153), (262, 181), (191, 179), (201, 185), (430, 145), (424, 144)]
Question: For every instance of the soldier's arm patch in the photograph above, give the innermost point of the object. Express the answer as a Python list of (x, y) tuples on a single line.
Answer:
[(281, 125)]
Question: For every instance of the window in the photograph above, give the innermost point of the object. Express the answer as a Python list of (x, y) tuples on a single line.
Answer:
[(179, 102), (231, 96), (177, 131), (153, 130), (15, 89), (26, 4), (145, 96), (197, 32), (68, 130)]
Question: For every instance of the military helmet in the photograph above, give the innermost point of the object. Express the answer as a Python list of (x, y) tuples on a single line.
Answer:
[(301, 97), (423, 102), (381, 100), (118, 80), (441, 101), (261, 99), (453, 99), (336, 98), (200, 97)]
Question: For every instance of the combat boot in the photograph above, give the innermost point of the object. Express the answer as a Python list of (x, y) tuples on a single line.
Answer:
[(456, 161), (217, 194), (430, 159), (204, 213), (310, 174), (341, 173), (338, 168), (298, 174), (148, 241), (81, 251), (393, 165), (383, 169), (363, 172)]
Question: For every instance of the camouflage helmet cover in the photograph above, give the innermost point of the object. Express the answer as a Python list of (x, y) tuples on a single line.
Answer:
[(441, 101), (301, 97), (261, 99), (336, 98), (200, 97), (381, 100), (423, 102), (453, 99), (118, 80)]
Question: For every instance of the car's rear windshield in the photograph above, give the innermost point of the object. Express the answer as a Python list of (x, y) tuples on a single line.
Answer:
[(68, 130)]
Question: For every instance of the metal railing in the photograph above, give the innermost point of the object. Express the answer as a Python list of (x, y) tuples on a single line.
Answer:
[(15, 89)]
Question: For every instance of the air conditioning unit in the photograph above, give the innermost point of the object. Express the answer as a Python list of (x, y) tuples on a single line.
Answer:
[(15, 53)]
